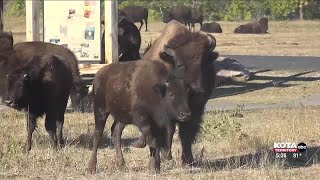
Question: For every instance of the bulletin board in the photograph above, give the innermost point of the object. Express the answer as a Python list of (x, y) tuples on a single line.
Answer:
[(74, 24)]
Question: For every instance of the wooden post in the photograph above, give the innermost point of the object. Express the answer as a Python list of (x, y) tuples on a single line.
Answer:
[(32, 20), (111, 30)]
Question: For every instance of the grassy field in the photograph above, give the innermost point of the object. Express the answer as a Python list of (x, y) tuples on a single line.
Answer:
[(228, 147), (296, 38)]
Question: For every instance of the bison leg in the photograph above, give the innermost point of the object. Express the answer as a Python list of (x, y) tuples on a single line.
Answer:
[(60, 123), (154, 163), (141, 24), (100, 121), (116, 137), (51, 127), (166, 150), (146, 21), (31, 126)]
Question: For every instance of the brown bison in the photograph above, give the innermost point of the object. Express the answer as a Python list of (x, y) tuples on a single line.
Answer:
[(195, 50), (129, 41), (143, 93), (23, 51), (211, 28), (179, 13), (41, 86), (137, 14), (255, 27), (196, 17)]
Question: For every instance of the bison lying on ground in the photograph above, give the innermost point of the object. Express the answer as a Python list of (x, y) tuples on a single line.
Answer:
[(41, 87), (211, 27), (180, 13), (255, 27), (137, 14), (195, 50), (129, 40), (141, 93), (196, 17)]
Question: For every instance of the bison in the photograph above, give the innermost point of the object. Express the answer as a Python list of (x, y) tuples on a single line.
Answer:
[(137, 14), (143, 93), (179, 13), (255, 27), (197, 53), (25, 50), (211, 27), (196, 17), (129, 41), (195, 50), (41, 86)]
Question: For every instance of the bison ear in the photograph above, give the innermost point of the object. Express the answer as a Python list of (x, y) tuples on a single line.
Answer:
[(160, 88), (213, 56)]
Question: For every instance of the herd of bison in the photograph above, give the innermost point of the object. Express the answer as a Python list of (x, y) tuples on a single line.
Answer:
[(169, 86)]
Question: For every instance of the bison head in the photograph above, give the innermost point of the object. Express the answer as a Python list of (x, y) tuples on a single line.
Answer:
[(17, 89), (167, 17), (263, 25), (174, 93)]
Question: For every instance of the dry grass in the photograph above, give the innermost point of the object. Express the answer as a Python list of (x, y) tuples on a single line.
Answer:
[(219, 149), (294, 38), (270, 87)]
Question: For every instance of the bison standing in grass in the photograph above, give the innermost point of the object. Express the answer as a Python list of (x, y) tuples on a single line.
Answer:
[(196, 17), (195, 50), (179, 13), (255, 27), (137, 14), (211, 27), (41, 86), (19, 54), (144, 93)]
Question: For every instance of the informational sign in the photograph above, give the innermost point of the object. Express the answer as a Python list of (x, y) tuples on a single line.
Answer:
[(74, 24)]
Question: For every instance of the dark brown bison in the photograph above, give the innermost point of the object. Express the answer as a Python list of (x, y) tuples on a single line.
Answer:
[(179, 13), (255, 27), (211, 27), (41, 86), (129, 41), (143, 93), (196, 17), (195, 50), (137, 14), (26, 50)]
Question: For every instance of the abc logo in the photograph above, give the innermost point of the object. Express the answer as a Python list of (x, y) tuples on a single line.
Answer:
[(302, 147)]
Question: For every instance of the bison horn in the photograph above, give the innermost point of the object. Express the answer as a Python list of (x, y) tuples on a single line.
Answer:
[(212, 42), (120, 55), (25, 76)]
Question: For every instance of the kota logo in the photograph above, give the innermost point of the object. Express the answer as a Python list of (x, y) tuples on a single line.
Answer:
[(289, 147)]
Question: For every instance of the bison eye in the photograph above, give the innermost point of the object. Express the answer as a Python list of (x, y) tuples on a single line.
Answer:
[(171, 95)]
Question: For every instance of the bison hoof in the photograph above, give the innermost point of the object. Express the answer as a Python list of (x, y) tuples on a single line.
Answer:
[(139, 144), (91, 170)]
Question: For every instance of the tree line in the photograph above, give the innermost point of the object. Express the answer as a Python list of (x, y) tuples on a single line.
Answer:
[(214, 10)]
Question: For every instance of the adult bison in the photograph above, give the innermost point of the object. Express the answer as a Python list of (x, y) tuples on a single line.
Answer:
[(195, 50), (144, 93), (129, 41), (41, 87), (211, 27), (196, 17), (179, 13), (255, 27), (137, 14), (26, 50)]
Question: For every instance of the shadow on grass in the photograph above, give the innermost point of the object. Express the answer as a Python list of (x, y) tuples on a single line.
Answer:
[(278, 81), (261, 159), (86, 141)]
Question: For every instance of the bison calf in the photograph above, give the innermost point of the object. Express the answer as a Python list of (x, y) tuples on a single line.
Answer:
[(41, 87), (141, 93)]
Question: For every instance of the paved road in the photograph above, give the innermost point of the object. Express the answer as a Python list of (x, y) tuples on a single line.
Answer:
[(305, 63), (308, 63)]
